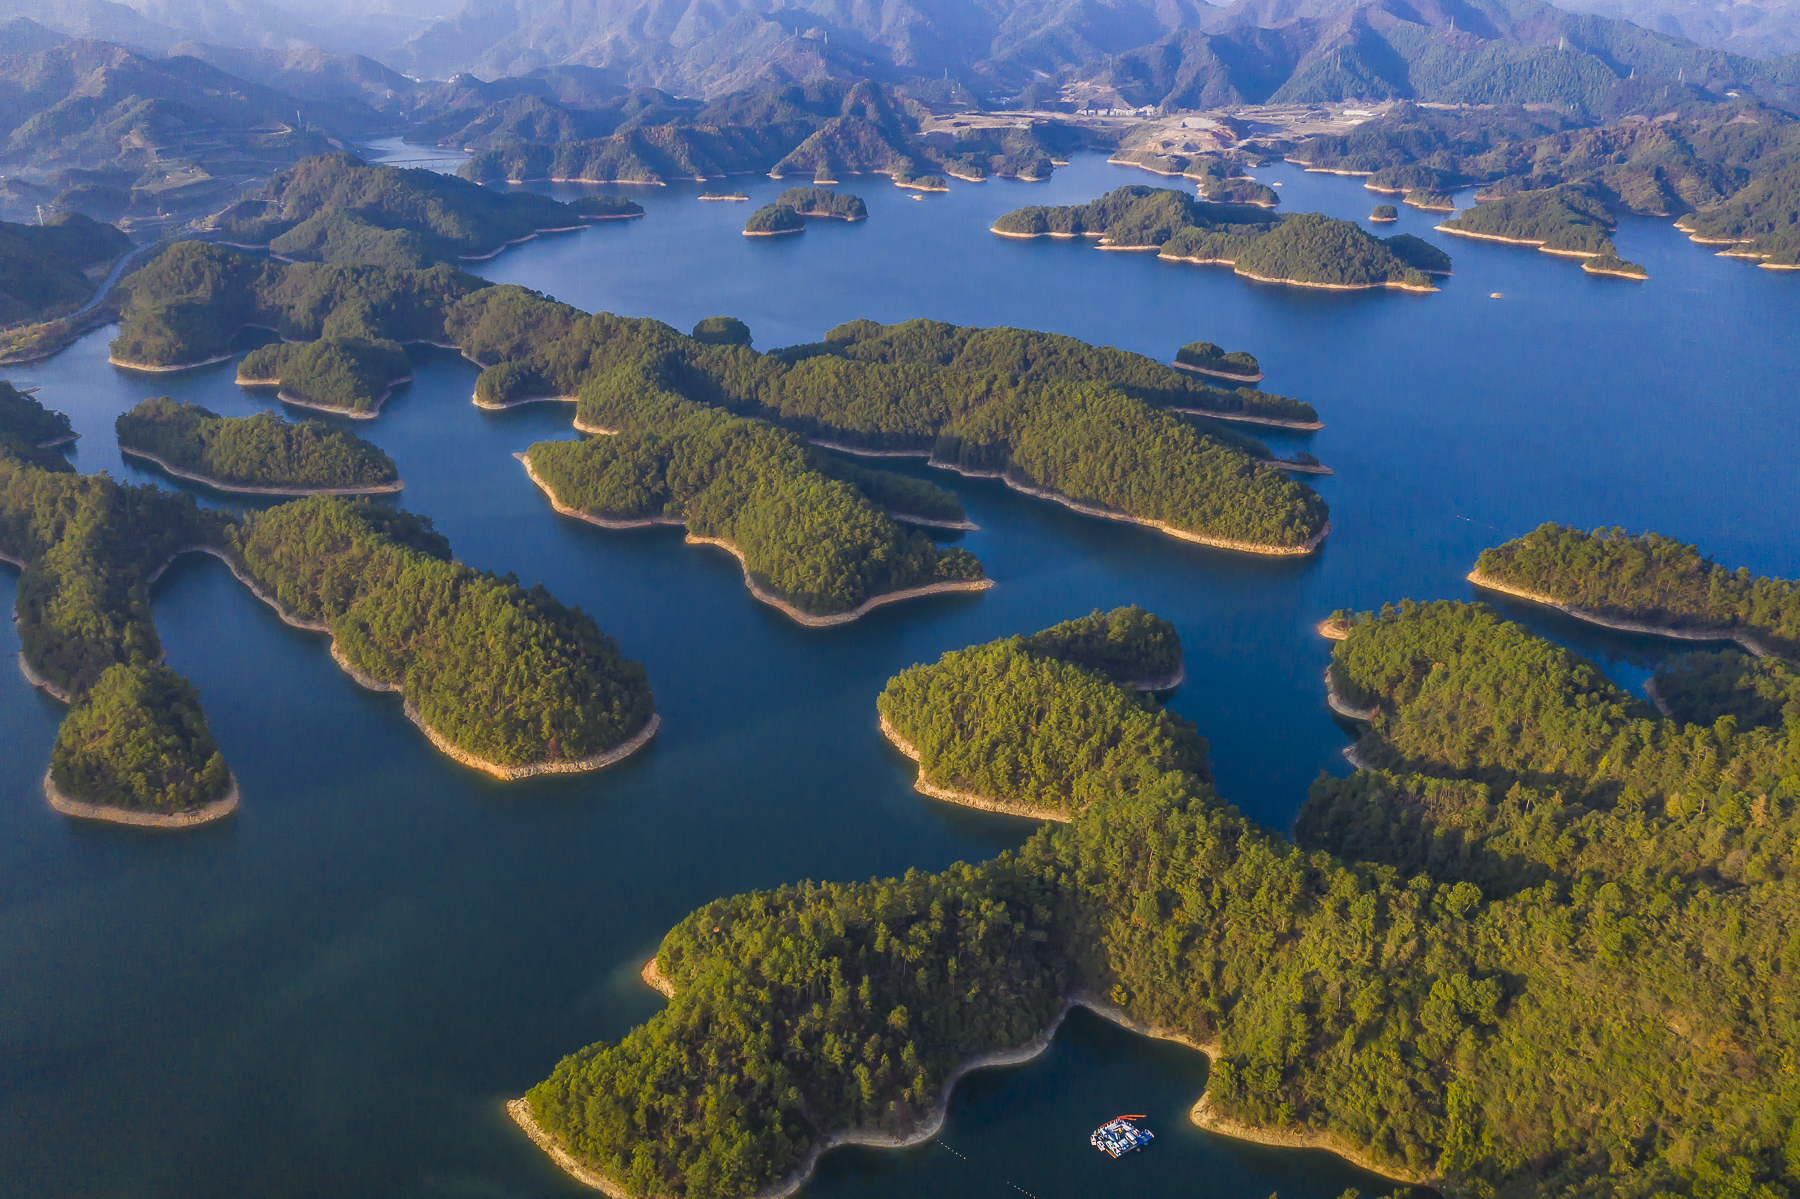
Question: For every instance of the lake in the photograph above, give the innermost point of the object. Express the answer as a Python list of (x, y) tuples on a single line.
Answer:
[(333, 992)]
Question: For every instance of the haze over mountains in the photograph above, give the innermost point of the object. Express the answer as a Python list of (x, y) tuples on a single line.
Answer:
[(993, 47)]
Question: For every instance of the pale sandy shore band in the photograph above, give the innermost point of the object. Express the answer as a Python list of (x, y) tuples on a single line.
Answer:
[(1273, 422), (967, 799), (1520, 241), (369, 413), (149, 369), (217, 809), (499, 770), (1223, 543), (1342, 706), (756, 589), (1623, 626), (837, 618), (503, 405), (1258, 377), (245, 489)]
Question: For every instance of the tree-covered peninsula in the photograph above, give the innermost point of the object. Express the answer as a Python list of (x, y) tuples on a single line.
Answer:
[(187, 304), (1049, 415), (137, 741), (773, 219), (335, 208), (351, 375), (1645, 580), (819, 544), (1558, 220), (1298, 248), (1448, 977), (1093, 734), (87, 548), (1205, 358), (262, 453), (30, 432), (823, 202), (501, 677)]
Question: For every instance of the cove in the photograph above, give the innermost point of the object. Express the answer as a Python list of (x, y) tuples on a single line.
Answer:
[(333, 991)]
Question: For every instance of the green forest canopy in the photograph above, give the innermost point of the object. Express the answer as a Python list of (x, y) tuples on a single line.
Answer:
[(42, 266), (336, 208), (823, 202), (352, 373), (256, 451), (997, 400), (815, 540), (502, 672), (1289, 248), (189, 301), (1647, 578), (1448, 973)]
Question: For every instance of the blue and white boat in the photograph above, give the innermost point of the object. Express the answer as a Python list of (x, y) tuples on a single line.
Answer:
[(1120, 1136)]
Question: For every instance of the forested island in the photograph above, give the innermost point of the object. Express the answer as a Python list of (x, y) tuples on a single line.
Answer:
[(256, 454), (1384, 214), (1205, 358), (772, 220), (1428, 199), (1445, 977), (502, 678), (1074, 684), (1053, 417), (815, 546), (335, 208), (822, 202), (606, 208), (1304, 249), (1560, 220), (1645, 583), (1611, 264)]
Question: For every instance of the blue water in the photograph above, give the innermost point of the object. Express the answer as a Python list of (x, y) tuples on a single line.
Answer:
[(332, 992)]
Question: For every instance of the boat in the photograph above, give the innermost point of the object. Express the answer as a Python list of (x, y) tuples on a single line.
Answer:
[(1120, 1136)]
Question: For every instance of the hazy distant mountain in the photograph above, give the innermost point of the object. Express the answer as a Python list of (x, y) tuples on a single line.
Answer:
[(715, 46), (22, 35), (308, 72), (1759, 28), (336, 26), (1452, 51), (93, 104)]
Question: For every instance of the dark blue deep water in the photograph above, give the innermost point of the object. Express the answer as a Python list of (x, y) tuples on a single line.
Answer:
[(332, 992)]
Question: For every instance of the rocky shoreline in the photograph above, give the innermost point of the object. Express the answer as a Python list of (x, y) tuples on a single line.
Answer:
[(1623, 626), (1201, 1114), (503, 405), (762, 593), (837, 618), (152, 369), (1223, 543), (443, 744), (81, 810), (967, 799), (246, 489), (1258, 377)]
